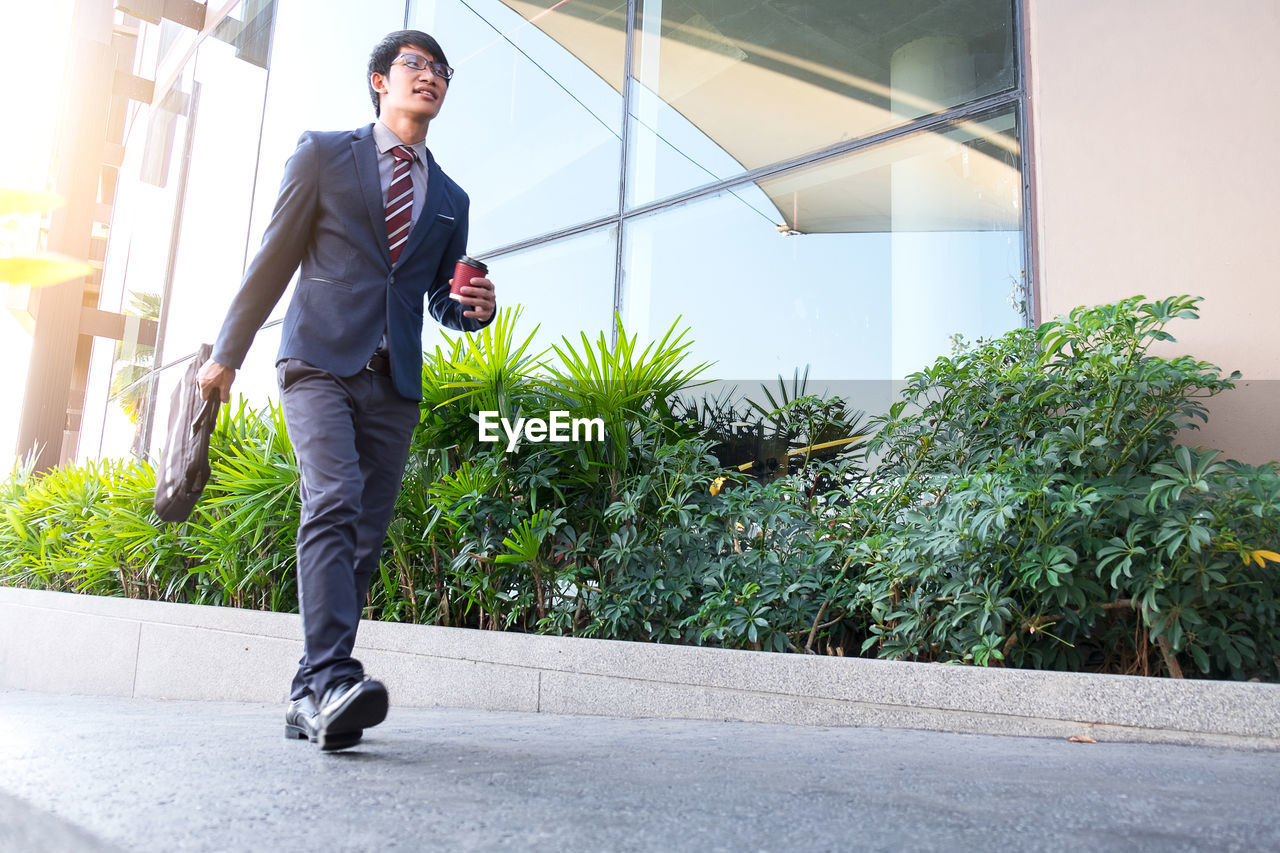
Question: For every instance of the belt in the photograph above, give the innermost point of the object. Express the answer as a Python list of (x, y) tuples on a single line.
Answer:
[(379, 363)]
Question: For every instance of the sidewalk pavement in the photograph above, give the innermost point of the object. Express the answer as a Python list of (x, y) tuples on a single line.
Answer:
[(111, 773)]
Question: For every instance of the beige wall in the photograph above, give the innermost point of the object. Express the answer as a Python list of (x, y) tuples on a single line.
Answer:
[(1156, 146)]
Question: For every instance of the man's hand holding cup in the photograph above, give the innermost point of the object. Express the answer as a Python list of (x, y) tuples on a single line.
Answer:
[(471, 287)]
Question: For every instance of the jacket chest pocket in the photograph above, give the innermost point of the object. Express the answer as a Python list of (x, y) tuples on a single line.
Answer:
[(329, 282)]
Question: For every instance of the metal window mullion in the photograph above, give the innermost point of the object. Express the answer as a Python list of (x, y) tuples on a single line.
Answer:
[(257, 155), (531, 242), (1026, 164), (624, 159)]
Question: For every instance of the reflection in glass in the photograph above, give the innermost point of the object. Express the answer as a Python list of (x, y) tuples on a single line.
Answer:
[(214, 238), (248, 28), (162, 118), (724, 88), (134, 362), (530, 130), (117, 394), (861, 267), (187, 234), (594, 31)]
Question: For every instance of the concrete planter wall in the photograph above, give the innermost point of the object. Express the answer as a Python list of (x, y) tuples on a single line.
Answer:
[(57, 642)]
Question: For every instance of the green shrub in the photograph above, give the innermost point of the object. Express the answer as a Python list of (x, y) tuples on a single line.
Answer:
[(243, 532), (1025, 504), (1032, 507), (90, 528)]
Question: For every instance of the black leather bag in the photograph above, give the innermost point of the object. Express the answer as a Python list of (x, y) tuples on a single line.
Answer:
[(184, 466)]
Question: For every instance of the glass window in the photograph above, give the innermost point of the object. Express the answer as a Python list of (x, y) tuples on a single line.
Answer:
[(185, 257), (564, 286), (863, 267), (119, 392), (214, 232), (319, 53), (531, 128), (721, 88)]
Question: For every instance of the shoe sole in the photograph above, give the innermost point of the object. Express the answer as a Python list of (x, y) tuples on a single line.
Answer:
[(364, 711), (336, 740)]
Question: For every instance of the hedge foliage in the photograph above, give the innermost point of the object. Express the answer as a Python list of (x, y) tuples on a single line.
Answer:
[(1024, 503)]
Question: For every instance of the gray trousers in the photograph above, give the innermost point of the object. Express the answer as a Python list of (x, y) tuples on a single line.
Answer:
[(351, 438)]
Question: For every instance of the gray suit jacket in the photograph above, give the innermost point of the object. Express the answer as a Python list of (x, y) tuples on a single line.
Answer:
[(330, 219)]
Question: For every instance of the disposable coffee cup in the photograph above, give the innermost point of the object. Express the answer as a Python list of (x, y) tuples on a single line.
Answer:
[(465, 270)]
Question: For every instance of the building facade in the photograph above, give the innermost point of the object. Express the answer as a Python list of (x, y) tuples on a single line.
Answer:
[(836, 186)]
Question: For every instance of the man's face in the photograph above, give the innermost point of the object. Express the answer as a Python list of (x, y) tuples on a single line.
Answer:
[(404, 90)]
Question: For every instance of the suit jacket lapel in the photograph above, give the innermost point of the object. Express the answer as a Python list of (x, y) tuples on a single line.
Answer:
[(426, 216), (365, 151)]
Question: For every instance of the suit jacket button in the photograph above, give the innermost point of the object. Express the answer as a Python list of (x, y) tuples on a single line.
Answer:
[(391, 279)]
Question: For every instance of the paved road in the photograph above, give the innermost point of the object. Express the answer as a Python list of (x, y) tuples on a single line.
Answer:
[(100, 774)]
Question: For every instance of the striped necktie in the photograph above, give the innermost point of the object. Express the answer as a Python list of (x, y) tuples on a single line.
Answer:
[(399, 201)]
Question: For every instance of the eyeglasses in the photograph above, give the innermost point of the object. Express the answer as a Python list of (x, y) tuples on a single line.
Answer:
[(421, 63)]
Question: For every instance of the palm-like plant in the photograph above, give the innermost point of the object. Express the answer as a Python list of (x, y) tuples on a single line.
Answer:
[(619, 384), (134, 361), (245, 526), (488, 370)]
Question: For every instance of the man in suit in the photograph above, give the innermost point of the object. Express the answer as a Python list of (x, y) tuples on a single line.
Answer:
[(376, 228)]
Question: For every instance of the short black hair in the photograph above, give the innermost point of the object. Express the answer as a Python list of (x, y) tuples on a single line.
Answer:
[(385, 52)]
